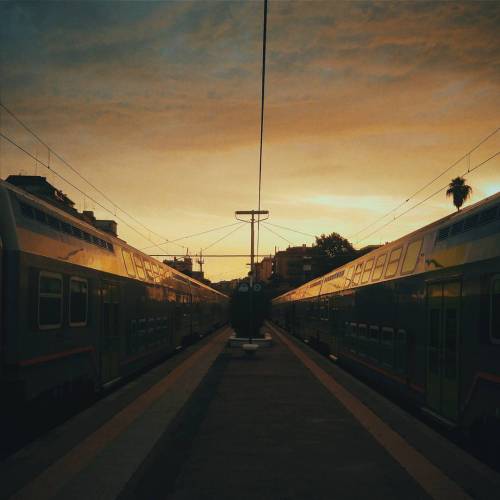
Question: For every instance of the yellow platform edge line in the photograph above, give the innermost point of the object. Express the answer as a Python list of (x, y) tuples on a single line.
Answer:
[(62, 471), (434, 481)]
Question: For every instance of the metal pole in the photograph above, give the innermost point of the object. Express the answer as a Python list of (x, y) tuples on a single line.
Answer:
[(252, 255), (252, 214), (252, 238)]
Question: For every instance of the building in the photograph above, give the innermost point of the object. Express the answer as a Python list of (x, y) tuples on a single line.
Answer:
[(264, 269), (296, 265), (227, 286), (184, 265)]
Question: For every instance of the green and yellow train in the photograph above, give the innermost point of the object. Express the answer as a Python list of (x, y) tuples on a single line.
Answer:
[(420, 314), (78, 305)]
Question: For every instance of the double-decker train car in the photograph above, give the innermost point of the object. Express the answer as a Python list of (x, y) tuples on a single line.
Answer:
[(78, 304), (420, 314)]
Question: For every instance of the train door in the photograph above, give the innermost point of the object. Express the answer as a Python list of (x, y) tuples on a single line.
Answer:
[(1, 303), (332, 325), (443, 319), (110, 332)]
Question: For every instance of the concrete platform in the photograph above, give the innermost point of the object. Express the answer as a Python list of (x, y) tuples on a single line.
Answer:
[(216, 424), (235, 341)]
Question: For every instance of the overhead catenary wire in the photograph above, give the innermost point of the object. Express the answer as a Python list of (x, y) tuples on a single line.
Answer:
[(224, 237), (221, 255), (194, 234), (57, 174), (264, 42), (466, 155), (113, 204), (468, 171), (277, 234), (74, 170), (290, 229)]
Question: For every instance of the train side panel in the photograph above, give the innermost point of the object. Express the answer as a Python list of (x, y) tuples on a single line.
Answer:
[(428, 326)]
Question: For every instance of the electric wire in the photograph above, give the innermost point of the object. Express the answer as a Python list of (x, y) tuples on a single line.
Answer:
[(468, 171), (73, 169), (264, 41), (193, 235), (223, 237), (277, 234), (426, 185), (48, 167), (239, 255), (290, 229)]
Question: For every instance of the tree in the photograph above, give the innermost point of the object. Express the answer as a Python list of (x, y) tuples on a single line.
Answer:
[(335, 249), (459, 190), (335, 245)]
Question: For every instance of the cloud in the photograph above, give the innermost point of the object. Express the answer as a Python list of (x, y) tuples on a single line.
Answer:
[(364, 101)]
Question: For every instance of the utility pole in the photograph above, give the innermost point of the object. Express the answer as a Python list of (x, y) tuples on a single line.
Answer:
[(200, 261), (252, 214)]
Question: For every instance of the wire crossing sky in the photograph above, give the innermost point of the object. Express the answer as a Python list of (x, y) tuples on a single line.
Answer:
[(158, 105)]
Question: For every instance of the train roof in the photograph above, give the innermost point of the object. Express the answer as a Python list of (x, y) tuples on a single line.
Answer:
[(442, 243), (34, 225)]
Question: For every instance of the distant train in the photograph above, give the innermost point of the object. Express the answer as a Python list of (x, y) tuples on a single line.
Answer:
[(248, 310), (421, 315), (80, 307)]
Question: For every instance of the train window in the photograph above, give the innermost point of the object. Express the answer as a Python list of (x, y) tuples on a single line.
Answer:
[(156, 270), (66, 228), (495, 310), (40, 216), (162, 272), (142, 327), (53, 222), (347, 282), (50, 297), (27, 210), (487, 215), (86, 236), (379, 267), (129, 264), (457, 228), (139, 266), (373, 346), (78, 302), (357, 274), (443, 233), (366, 273), (392, 265), (387, 346), (351, 332), (76, 232), (323, 309), (411, 257), (471, 222), (109, 246), (149, 270), (362, 330), (374, 333), (400, 351)]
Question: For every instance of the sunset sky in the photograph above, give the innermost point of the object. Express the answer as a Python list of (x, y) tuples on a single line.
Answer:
[(158, 103)]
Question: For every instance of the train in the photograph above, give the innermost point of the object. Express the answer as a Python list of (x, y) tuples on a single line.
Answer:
[(79, 307), (248, 309), (419, 316)]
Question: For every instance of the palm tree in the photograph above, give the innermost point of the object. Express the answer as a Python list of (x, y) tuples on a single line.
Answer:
[(459, 190)]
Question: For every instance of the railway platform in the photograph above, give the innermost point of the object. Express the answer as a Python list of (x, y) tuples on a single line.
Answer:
[(214, 423)]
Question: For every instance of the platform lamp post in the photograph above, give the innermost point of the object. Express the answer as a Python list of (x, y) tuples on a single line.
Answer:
[(252, 214)]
